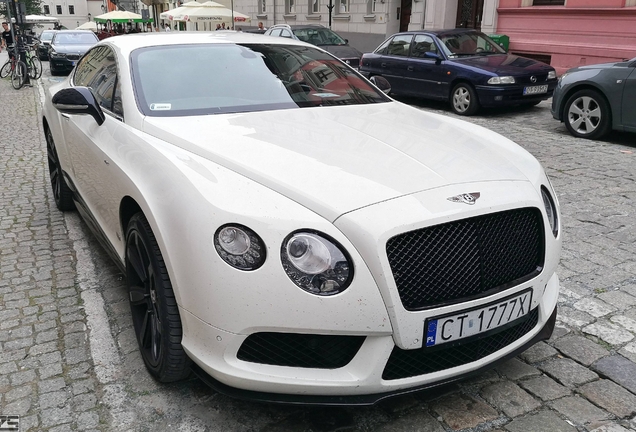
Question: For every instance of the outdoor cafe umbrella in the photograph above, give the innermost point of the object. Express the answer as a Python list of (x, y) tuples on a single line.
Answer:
[(120, 17), (212, 12), (90, 25), (180, 11)]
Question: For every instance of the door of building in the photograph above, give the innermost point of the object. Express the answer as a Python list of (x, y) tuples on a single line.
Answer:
[(405, 14), (469, 14)]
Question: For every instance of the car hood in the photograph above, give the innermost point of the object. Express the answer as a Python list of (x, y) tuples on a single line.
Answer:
[(71, 49), (505, 64), (334, 160), (342, 51), (598, 66)]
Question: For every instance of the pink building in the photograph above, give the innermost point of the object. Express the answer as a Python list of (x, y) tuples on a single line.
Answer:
[(569, 33)]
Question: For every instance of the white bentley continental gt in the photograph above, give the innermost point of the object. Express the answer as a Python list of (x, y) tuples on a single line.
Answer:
[(288, 231)]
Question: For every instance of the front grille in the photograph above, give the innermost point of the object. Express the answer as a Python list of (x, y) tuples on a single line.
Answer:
[(300, 350), (541, 78), (73, 56), (353, 62), (470, 258), (409, 363)]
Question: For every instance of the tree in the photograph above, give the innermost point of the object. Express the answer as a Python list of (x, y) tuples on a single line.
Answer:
[(33, 7)]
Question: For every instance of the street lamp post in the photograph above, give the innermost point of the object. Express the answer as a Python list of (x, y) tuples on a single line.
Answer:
[(330, 7)]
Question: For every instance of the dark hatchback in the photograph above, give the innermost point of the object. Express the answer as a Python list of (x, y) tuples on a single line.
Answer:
[(45, 41), (67, 46), (462, 66), (592, 100)]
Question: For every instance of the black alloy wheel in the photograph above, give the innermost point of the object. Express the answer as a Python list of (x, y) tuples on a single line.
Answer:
[(154, 308), (61, 192)]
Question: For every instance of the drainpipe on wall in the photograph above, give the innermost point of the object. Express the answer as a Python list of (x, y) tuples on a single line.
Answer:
[(424, 16), (274, 12)]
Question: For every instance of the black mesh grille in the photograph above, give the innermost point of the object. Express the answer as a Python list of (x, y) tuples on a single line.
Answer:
[(408, 363), (300, 350), (452, 262)]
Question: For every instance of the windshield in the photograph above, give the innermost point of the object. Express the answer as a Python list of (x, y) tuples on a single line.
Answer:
[(469, 44), (181, 80), (319, 36), (84, 38), (46, 36)]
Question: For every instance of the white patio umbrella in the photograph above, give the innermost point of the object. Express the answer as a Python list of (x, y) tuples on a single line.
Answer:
[(35, 19), (214, 14), (119, 17), (90, 25), (179, 12)]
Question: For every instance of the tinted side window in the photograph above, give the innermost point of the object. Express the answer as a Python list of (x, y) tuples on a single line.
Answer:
[(382, 48), (400, 45), (98, 71), (286, 33), (423, 44), (103, 86), (89, 65)]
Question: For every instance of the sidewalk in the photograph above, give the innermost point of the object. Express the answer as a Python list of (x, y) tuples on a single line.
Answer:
[(45, 368)]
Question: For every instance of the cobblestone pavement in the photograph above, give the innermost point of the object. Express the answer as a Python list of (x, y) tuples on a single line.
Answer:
[(69, 361)]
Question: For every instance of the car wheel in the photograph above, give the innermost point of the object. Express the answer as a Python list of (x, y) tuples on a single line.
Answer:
[(61, 192), (464, 99), (154, 308), (587, 114)]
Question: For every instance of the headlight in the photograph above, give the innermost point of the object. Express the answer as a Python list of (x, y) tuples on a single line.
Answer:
[(502, 80), (563, 76), (551, 211), (316, 263), (240, 247), (552, 75)]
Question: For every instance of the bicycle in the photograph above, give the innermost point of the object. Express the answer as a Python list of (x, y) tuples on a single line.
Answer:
[(33, 63)]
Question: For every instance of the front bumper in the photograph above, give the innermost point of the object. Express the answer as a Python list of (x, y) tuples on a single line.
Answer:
[(505, 95), (61, 64), (360, 382)]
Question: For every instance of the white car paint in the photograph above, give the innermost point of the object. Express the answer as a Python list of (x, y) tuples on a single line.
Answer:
[(380, 170)]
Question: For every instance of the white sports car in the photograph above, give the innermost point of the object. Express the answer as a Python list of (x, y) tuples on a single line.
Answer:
[(288, 231)]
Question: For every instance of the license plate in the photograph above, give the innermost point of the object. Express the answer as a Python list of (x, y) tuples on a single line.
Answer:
[(475, 321), (72, 63), (532, 90)]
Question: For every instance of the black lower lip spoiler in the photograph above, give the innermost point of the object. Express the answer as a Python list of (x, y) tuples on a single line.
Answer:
[(362, 400)]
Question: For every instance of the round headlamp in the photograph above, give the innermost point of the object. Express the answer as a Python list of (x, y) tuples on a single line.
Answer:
[(240, 247), (316, 263)]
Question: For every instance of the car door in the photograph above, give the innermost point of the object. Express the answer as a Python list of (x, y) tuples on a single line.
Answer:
[(394, 63), (89, 144), (628, 111), (425, 76)]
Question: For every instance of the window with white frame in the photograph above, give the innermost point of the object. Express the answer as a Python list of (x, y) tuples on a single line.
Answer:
[(372, 6), (290, 6), (71, 9), (58, 9), (262, 6), (46, 10), (314, 6), (344, 6)]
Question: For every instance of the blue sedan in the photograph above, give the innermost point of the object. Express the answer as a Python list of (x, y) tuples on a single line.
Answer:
[(462, 66)]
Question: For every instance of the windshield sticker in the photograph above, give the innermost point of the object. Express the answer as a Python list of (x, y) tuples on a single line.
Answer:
[(325, 95), (160, 106)]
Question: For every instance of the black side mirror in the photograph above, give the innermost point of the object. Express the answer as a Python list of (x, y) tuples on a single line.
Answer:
[(432, 55), (347, 41), (77, 101), (381, 83)]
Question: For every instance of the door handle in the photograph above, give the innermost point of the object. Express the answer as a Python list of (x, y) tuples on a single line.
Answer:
[(383, 64), (409, 68)]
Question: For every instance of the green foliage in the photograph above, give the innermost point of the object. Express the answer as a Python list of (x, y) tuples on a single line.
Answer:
[(33, 7)]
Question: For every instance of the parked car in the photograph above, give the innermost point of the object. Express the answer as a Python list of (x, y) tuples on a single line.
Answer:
[(592, 100), (66, 48), (45, 41), (291, 233), (462, 66), (321, 36)]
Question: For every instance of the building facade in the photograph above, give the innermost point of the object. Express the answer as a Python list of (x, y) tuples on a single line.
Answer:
[(565, 33)]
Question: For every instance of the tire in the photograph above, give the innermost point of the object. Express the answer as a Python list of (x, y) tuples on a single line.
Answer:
[(6, 69), (154, 309), (587, 114), (464, 100), (18, 75), (61, 192), (35, 71)]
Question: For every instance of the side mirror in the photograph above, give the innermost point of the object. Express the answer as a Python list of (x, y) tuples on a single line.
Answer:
[(381, 83), (77, 101), (347, 41), (432, 55)]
